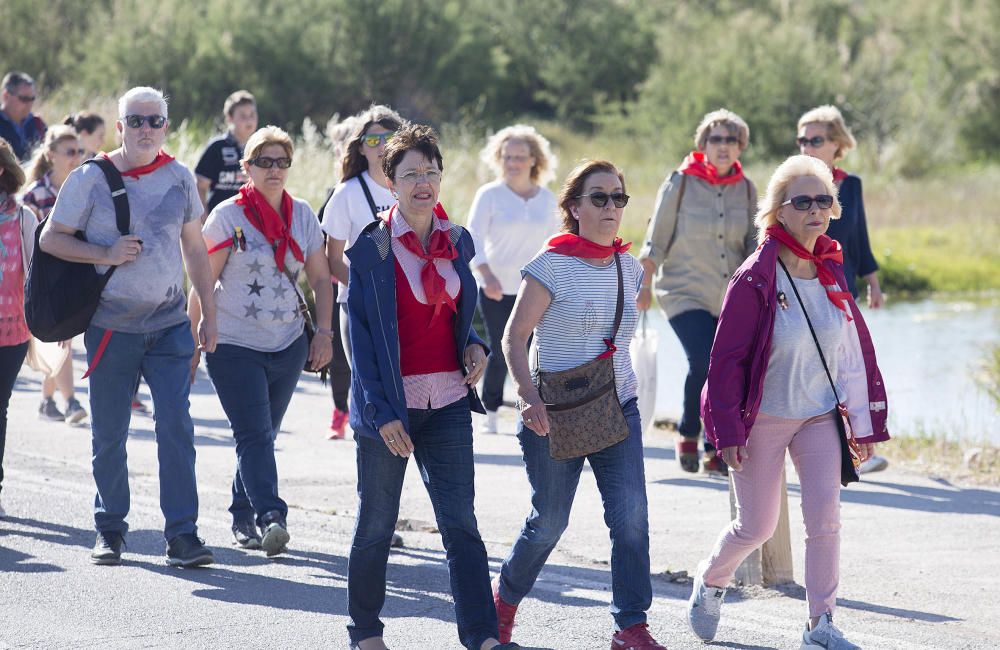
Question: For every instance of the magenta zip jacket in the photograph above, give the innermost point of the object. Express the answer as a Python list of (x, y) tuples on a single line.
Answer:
[(742, 347)]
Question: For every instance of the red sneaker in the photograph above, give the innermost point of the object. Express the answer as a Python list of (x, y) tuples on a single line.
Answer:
[(337, 424), (505, 613), (635, 637)]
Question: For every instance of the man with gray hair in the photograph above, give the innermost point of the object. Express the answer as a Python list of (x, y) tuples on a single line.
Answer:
[(18, 125), (143, 304)]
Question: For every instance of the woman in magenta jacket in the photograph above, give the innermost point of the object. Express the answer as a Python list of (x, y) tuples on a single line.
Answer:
[(767, 391)]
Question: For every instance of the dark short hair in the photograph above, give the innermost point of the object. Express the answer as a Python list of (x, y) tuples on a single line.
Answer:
[(574, 186), (84, 121), (410, 137), (12, 80), (238, 98)]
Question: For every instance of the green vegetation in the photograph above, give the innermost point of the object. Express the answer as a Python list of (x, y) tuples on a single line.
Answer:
[(989, 377), (937, 455)]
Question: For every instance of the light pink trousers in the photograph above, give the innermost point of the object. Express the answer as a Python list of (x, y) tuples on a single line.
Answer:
[(815, 450)]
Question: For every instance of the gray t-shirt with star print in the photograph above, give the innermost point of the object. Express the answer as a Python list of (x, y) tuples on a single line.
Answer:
[(256, 303)]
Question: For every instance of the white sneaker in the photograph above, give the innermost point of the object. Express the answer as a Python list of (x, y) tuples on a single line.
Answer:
[(490, 422), (825, 636), (873, 464), (704, 607)]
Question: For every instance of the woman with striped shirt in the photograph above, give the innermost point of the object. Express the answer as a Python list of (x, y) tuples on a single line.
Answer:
[(568, 299)]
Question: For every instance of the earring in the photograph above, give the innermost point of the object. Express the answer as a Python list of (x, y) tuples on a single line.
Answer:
[(395, 196)]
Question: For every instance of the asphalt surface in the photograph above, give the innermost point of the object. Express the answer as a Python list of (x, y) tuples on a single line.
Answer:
[(919, 556)]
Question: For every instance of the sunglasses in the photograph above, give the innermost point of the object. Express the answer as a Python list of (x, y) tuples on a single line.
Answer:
[(719, 139), (375, 139), (815, 142), (27, 99), (267, 163), (73, 153), (600, 199), (803, 202), (136, 121)]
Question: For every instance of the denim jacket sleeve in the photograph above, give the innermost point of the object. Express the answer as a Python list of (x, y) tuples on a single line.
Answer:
[(365, 361)]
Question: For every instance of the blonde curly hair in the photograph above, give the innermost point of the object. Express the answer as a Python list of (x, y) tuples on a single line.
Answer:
[(794, 167), (544, 169)]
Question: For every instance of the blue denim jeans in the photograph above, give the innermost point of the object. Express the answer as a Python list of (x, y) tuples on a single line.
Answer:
[(255, 388), (164, 359), (696, 330), (442, 441), (621, 480)]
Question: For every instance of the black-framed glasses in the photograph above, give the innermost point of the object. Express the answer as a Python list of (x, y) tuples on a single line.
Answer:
[(136, 121), (815, 142), (375, 139), (600, 199), (803, 202), (719, 139), (267, 163)]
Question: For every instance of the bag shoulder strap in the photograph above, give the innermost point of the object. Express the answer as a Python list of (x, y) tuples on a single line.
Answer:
[(746, 182), (811, 330), (118, 195), (368, 196), (620, 304)]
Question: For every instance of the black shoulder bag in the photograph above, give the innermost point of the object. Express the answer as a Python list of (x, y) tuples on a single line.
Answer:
[(60, 297), (850, 453)]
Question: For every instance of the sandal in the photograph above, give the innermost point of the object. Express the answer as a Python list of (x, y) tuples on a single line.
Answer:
[(688, 454)]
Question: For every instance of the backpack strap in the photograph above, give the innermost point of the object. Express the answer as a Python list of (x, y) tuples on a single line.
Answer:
[(118, 194), (368, 196)]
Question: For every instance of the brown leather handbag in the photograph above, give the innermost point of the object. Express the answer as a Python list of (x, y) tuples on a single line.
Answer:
[(584, 413)]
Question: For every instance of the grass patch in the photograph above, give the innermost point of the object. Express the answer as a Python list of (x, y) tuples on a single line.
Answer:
[(935, 455)]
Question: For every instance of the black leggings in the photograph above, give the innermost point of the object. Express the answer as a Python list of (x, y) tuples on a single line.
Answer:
[(340, 370), (11, 358)]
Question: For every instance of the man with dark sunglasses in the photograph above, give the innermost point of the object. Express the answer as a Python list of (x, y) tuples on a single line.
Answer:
[(141, 325), (18, 125)]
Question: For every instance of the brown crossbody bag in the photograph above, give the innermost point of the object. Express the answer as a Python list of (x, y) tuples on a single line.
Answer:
[(582, 404)]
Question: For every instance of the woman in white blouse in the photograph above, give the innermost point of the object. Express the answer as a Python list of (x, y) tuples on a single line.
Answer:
[(510, 219)]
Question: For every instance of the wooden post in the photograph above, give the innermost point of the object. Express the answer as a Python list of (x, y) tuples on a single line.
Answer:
[(771, 564)]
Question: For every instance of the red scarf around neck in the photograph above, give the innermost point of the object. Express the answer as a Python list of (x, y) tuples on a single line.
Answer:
[(162, 158), (576, 246), (838, 174), (275, 227), (697, 165), (439, 247), (825, 249)]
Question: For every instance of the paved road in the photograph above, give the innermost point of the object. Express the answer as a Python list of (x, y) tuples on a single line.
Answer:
[(919, 556)]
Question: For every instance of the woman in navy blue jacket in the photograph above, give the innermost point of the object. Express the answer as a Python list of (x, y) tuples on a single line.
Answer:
[(416, 361)]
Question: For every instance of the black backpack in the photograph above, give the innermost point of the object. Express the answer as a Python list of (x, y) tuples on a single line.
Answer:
[(60, 297)]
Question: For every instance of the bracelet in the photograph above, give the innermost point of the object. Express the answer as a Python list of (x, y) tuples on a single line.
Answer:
[(325, 332)]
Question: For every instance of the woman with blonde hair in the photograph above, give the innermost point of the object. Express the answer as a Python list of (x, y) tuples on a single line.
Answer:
[(60, 154), (792, 356), (510, 219), (701, 231)]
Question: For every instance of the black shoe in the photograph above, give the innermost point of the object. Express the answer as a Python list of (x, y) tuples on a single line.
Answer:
[(48, 410), (108, 548), (246, 535), (397, 541), (276, 535), (187, 550)]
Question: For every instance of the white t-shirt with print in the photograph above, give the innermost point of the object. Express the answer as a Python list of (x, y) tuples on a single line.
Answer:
[(348, 212)]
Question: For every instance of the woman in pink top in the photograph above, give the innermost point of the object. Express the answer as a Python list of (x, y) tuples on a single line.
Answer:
[(17, 226)]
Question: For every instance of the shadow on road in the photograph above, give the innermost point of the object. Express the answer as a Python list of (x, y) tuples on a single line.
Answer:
[(798, 592), (947, 500)]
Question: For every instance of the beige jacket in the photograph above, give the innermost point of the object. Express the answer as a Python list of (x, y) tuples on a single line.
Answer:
[(699, 244)]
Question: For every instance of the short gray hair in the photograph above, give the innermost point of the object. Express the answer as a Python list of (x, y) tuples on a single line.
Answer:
[(142, 94)]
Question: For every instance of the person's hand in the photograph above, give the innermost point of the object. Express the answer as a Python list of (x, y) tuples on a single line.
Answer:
[(126, 249), (534, 415), (491, 287), (208, 333), (734, 457), (396, 438), (866, 450), (320, 351), (875, 297), (644, 300), (475, 363), (195, 360)]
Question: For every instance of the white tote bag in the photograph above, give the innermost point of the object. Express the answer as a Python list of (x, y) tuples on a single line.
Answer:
[(643, 352)]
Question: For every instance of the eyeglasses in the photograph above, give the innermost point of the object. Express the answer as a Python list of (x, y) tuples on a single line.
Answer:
[(719, 139), (600, 199), (516, 159), (815, 142), (267, 163), (27, 99), (73, 153), (375, 139), (414, 177), (803, 202), (136, 121)]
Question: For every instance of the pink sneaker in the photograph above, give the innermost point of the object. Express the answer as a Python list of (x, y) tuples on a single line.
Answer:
[(505, 613), (337, 424), (635, 637)]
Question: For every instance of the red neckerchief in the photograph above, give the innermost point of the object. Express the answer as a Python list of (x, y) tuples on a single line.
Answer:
[(162, 158), (838, 175), (825, 249), (697, 165), (275, 227), (439, 247), (576, 246)]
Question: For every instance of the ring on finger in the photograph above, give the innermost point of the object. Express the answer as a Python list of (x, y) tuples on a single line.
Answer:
[(392, 440)]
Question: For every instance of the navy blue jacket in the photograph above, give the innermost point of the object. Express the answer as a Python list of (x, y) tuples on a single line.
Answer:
[(377, 395), (34, 133), (851, 230)]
